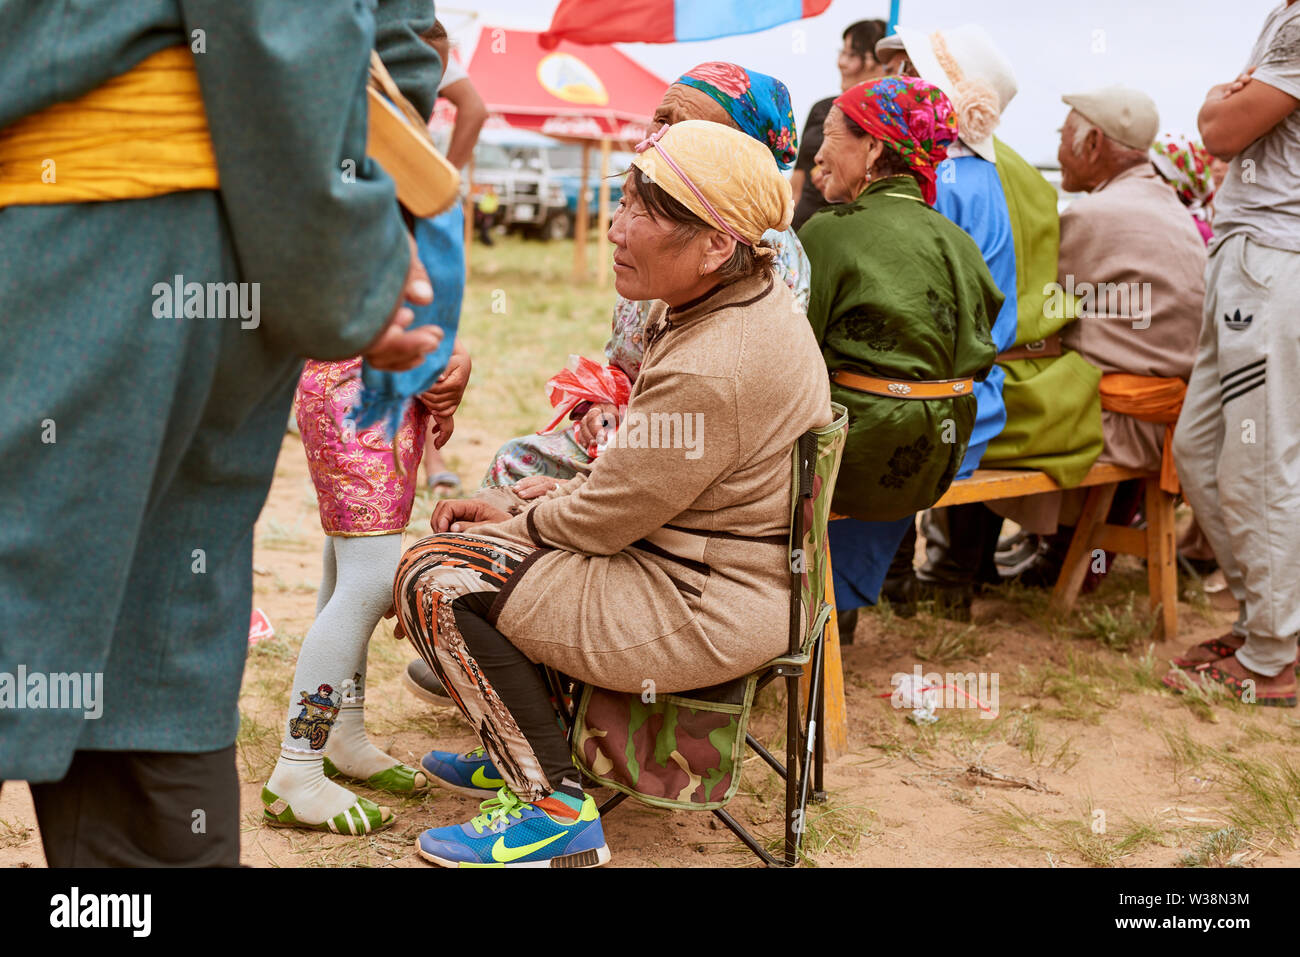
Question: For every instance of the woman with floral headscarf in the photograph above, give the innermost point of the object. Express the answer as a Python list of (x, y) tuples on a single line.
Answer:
[(903, 304), (1186, 166), (725, 93)]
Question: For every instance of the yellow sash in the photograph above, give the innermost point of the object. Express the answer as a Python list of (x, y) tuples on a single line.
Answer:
[(141, 134)]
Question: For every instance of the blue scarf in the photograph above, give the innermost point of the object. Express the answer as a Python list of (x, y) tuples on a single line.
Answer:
[(757, 103), (441, 246)]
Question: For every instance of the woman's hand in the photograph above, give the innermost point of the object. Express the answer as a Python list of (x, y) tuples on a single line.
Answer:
[(463, 514), (597, 425), (535, 486), (397, 349), (444, 398)]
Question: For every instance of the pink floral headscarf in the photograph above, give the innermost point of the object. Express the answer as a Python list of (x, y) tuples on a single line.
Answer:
[(914, 118)]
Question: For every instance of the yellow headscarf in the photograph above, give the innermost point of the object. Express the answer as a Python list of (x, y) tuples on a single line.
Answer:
[(726, 178)]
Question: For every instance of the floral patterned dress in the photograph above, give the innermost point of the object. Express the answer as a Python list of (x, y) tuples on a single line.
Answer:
[(360, 490), (557, 454)]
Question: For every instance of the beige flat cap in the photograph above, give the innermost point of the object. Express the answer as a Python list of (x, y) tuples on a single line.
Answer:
[(1126, 115)]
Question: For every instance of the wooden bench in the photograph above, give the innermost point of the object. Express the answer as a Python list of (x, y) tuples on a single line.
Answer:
[(1091, 534)]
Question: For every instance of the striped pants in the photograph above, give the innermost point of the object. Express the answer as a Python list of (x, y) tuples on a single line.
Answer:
[(444, 589), (1237, 443)]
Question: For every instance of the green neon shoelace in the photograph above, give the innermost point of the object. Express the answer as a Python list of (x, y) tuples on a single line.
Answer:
[(504, 805)]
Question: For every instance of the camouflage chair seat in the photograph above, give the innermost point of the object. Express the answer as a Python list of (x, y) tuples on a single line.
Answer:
[(685, 751)]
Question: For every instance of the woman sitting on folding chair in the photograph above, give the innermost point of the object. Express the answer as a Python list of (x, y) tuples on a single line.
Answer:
[(666, 567)]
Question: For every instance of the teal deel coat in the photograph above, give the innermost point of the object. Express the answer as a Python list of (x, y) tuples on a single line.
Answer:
[(136, 452)]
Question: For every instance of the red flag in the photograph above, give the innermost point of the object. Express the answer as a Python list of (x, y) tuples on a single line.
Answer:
[(669, 21), (592, 21)]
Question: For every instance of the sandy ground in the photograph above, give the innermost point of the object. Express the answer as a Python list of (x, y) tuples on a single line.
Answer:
[(1087, 763)]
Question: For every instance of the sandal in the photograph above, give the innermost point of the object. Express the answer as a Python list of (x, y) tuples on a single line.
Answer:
[(1217, 649), (362, 817), (1236, 686), (450, 479), (399, 779)]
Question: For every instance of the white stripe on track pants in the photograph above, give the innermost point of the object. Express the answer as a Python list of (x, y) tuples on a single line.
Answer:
[(1237, 443)]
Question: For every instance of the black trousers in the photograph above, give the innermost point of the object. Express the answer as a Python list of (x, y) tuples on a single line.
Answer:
[(142, 809), (960, 544), (519, 684)]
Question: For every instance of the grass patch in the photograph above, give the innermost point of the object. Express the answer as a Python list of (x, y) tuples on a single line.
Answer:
[(1226, 847), (1081, 689), (258, 745), (1031, 602), (1263, 792), (828, 827), (286, 538), (831, 827), (13, 835), (1201, 697), (951, 645), (276, 650), (282, 587), (1116, 627), (1091, 841)]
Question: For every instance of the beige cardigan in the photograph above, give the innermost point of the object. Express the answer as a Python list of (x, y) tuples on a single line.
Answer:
[(670, 565)]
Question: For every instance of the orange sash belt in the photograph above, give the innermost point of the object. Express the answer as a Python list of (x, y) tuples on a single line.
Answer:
[(1148, 399), (899, 389), (141, 134)]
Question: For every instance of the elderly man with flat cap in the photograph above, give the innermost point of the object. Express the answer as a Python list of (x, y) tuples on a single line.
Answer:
[(1133, 261)]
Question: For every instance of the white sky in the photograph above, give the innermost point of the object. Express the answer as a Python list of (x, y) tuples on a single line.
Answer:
[(1174, 50)]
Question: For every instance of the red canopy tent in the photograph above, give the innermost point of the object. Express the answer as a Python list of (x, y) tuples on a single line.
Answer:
[(586, 94), (573, 92)]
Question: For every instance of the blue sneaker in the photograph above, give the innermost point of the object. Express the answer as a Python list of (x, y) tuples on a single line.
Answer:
[(510, 833), (471, 774)]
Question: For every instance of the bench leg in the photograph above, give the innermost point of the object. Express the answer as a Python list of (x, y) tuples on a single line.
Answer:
[(1095, 509), (1162, 566)]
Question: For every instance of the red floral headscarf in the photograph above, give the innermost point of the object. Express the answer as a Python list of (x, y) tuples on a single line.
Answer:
[(1186, 165), (914, 118)]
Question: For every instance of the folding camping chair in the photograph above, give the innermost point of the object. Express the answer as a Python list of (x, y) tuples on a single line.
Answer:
[(684, 751)]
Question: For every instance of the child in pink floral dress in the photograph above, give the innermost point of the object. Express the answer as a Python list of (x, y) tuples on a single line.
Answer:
[(365, 487)]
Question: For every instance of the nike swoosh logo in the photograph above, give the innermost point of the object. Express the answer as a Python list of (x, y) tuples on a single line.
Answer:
[(503, 854), (481, 780)]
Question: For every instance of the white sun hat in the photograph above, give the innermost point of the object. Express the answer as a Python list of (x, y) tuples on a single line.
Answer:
[(971, 71)]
